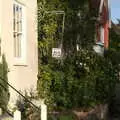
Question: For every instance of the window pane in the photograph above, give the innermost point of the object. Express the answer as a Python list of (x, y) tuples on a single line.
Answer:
[(19, 45), (14, 17), (14, 25), (20, 26), (17, 8), (15, 47), (17, 29), (14, 10), (17, 25), (20, 20)]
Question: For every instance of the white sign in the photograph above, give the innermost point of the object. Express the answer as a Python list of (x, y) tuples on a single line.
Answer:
[(0, 111), (56, 52)]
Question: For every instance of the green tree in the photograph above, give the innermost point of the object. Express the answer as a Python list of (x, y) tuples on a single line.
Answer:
[(79, 25), (4, 96), (81, 78)]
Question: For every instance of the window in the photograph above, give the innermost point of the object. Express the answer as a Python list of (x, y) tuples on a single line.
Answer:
[(19, 30)]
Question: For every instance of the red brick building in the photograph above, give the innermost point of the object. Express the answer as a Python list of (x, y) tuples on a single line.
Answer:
[(103, 21)]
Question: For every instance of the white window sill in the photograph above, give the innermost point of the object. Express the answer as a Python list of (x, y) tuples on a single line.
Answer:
[(24, 65), (20, 62)]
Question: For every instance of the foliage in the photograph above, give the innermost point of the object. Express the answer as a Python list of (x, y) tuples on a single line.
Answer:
[(4, 92), (114, 40), (28, 111), (79, 79), (114, 49), (79, 26), (82, 80)]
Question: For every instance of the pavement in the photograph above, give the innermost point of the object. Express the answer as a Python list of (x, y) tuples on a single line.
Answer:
[(6, 117)]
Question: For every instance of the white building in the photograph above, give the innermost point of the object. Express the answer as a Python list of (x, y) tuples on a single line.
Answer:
[(18, 35)]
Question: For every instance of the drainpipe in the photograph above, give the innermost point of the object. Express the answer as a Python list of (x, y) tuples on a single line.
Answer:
[(109, 10), (101, 28), (99, 46), (101, 6)]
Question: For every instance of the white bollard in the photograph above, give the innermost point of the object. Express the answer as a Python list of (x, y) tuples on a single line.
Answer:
[(17, 115), (43, 112), (0, 111)]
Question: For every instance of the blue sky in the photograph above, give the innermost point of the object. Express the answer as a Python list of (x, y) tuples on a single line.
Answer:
[(115, 10)]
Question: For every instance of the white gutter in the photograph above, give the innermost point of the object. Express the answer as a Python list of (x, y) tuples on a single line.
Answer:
[(101, 6), (101, 27), (109, 10)]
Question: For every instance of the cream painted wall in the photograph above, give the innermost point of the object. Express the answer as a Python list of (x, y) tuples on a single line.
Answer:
[(21, 76)]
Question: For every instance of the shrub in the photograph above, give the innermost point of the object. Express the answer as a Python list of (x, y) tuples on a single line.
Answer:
[(82, 80), (4, 91), (28, 112)]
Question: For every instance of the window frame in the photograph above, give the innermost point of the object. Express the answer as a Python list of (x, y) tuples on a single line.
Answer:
[(20, 60)]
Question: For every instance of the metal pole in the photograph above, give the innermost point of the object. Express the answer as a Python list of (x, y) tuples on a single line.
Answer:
[(63, 28), (63, 23)]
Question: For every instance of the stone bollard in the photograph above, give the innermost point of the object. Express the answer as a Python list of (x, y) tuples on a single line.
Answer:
[(43, 112), (17, 115)]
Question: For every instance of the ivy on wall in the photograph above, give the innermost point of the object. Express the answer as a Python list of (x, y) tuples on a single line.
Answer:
[(82, 79)]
